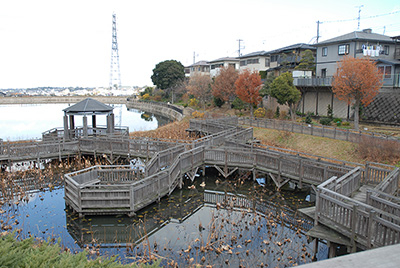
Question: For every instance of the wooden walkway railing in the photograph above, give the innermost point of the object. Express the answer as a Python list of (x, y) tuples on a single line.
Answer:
[(369, 224), (227, 147)]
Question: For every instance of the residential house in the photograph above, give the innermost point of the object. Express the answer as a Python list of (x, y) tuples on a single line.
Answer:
[(216, 65), (358, 44), (202, 67), (255, 61), (286, 58), (317, 91)]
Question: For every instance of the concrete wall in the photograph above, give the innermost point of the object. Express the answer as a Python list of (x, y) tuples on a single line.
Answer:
[(317, 102), (161, 109), (385, 108)]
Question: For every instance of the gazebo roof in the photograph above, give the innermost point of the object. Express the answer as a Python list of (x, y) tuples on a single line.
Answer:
[(88, 106)]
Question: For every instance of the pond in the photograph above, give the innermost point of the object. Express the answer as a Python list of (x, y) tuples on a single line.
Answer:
[(211, 221), (29, 121)]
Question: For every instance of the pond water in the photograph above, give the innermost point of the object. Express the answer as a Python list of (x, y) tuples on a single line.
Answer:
[(218, 222), (29, 121)]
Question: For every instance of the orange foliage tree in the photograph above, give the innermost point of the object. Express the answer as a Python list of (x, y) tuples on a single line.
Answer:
[(224, 84), (356, 80), (248, 86), (200, 86)]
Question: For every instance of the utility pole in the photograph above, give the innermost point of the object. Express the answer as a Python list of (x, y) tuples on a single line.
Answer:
[(240, 47), (318, 23), (114, 68), (359, 16)]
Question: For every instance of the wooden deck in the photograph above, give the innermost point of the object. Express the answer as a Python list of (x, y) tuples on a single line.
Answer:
[(341, 187)]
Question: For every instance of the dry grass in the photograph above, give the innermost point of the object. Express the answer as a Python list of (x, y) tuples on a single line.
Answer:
[(325, 147), (383, 151), (175, 131)]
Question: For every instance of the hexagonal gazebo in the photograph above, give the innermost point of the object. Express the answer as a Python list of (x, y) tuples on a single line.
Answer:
[(86, 108)]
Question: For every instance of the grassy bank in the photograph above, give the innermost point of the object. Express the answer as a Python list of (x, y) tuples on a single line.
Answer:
[(367, 150), (35, 253)]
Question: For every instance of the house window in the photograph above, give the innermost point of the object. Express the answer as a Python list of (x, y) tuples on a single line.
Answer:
[(323, 73), (253, 61), (267, 62), (274, 58), (324, 51), (243, 63), (386, 71), (344, 49), (386, 49)]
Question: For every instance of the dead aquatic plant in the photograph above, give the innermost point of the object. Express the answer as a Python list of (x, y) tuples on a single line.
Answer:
[(46, 175)]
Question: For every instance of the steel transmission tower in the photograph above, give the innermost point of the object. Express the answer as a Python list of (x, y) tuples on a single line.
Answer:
[(115, 74)]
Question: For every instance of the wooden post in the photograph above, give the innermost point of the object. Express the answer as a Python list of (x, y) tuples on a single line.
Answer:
[(316, 240), (366, 173), (332, 249), (353, 229), (370, 227), (301, 173), (226, 162), (317, 206)]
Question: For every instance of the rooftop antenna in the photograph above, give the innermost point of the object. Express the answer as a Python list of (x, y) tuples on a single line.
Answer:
[(359, 16), (240, 47), (194, 57), (115, 74)]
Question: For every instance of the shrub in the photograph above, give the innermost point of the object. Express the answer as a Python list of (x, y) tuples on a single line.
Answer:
[(197, 114), (269, 114), (308, 119), (283, 115), (31, 253), (329, 111), (337, 121), (325, 121), (218, 102), (146, 96), (377, 150), (260, 113), (277, 112), (237, 104), (346, 124), (193, 102)]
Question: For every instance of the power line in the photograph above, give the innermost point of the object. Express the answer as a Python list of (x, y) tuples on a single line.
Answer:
[(370, 17)]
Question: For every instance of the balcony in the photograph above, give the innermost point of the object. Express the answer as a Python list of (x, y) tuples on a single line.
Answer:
[(393, 81), (313, 82)]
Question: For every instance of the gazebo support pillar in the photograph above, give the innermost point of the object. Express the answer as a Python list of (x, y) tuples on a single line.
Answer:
[(71, 126), (85, 126), (66, 130), (110, 123), (94, 124)]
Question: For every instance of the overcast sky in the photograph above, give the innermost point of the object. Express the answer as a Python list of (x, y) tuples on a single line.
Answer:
[(68, 43)]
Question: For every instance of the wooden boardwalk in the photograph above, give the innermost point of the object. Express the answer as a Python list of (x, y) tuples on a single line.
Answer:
[(227, 147)]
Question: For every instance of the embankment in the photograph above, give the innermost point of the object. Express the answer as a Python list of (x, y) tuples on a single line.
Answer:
[(61, 99)]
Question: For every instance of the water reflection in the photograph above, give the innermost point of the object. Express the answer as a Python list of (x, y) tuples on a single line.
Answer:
[(223, 223), (28, 121), (206, 226)]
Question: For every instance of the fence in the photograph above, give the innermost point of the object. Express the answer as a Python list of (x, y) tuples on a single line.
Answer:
[(309, 129)]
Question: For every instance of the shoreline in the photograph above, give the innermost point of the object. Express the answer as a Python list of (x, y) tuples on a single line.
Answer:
[(61, 99)]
